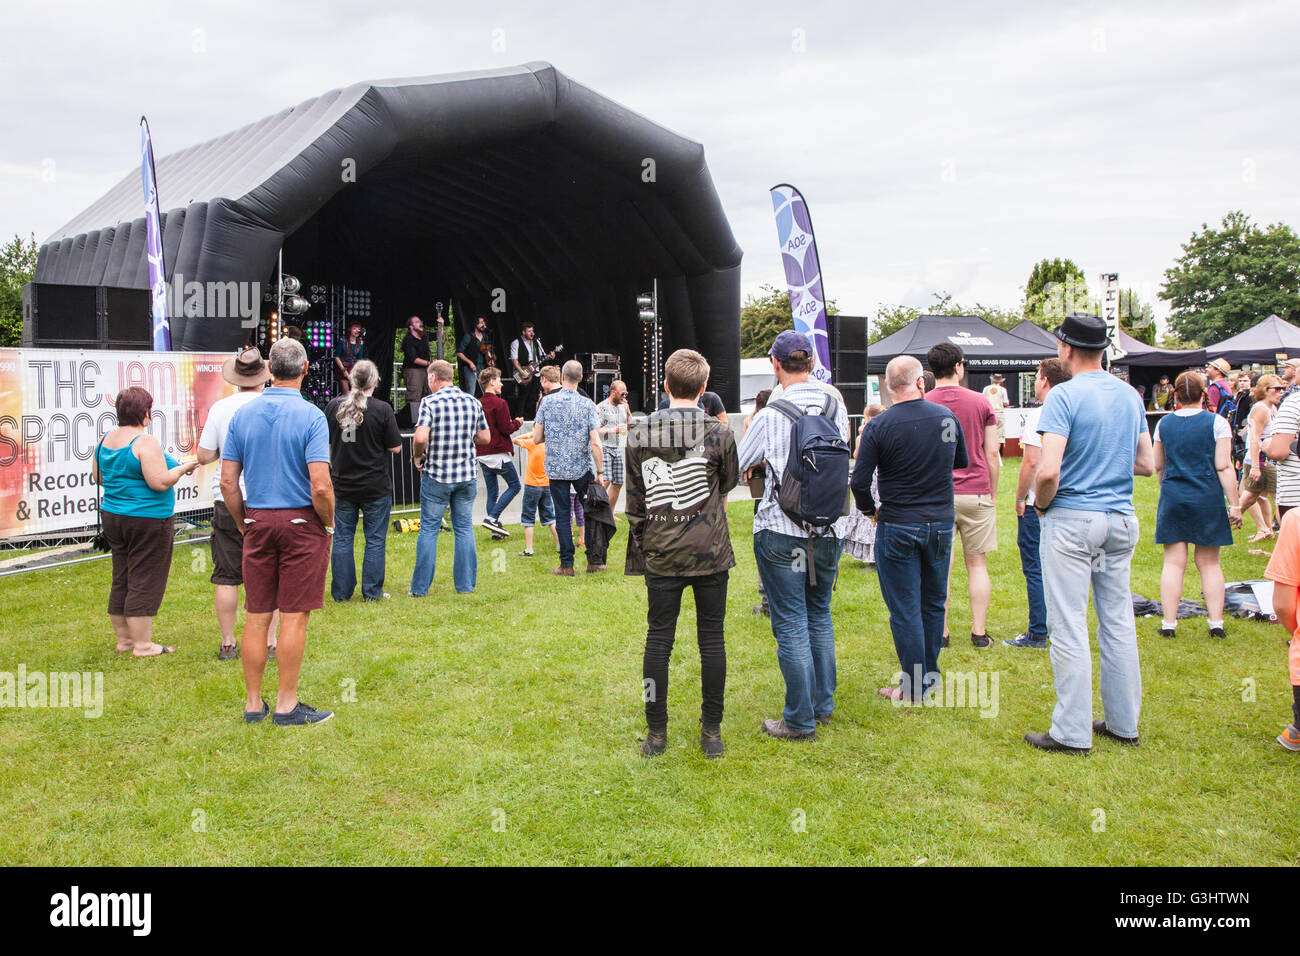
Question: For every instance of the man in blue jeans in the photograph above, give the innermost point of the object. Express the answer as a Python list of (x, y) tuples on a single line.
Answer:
[(449, 425), (1095, 440), (1051, 372), (800, 610), (915, 445), (570, 427)]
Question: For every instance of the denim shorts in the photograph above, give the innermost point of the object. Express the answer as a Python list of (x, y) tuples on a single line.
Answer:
[(537, 496)]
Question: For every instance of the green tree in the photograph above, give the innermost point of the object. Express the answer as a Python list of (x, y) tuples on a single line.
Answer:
[(1227, 279), (1136, 317), (888, 320), (764, 317), (1055, 288), (17, 268)]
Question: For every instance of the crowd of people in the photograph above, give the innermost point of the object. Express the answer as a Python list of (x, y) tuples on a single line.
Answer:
[(295, 483)]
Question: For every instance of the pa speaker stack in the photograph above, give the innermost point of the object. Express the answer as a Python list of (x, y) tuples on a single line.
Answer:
[(848, 342)]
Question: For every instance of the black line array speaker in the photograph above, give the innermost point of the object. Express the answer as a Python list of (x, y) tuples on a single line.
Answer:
[(86, 317), (848, 343)]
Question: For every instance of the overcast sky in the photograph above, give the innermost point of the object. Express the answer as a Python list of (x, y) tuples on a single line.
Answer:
[(939, 146)]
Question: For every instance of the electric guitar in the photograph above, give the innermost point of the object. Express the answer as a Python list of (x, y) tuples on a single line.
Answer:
[(526, 372)]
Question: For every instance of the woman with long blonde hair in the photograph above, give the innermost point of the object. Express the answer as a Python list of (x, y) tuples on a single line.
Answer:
[(1258, 474)]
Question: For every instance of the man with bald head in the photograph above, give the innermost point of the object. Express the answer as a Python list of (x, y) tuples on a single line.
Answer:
[(914, 445)]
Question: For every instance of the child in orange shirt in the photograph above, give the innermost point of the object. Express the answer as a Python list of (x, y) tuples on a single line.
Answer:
[(536, 492), (1284, 571)]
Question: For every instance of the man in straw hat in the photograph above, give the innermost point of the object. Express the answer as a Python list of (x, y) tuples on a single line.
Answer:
[(248, 371), (1218, 389), (1095, 440)]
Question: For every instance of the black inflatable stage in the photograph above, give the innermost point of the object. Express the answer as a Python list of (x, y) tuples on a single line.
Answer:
[(516, 193)]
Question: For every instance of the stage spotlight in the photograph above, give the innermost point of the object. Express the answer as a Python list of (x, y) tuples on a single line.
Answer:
[(645, 304)]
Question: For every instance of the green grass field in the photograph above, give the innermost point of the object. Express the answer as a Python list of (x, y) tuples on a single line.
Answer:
[(503, 727)]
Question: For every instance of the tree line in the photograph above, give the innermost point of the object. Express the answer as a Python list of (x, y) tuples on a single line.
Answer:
[(1226, 279)]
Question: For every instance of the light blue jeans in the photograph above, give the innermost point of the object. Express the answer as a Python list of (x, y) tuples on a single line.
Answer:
[(435, 498), (801, 620), (1078, 549)]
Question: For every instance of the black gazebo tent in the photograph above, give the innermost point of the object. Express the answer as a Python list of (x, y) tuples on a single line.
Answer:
[(513, 193), (987, 348), (1271, 341)]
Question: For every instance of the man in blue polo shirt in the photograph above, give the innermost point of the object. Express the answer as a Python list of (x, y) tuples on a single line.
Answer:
[(280, 444), (915, 445), (1095, 440)]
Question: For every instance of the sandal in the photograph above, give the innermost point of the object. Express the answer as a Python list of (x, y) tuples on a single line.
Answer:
[(1262, 536)]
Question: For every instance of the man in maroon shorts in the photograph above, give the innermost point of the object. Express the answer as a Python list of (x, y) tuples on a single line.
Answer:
[(280, 444)]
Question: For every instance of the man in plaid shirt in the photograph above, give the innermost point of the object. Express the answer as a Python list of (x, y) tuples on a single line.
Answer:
[(449, 425)]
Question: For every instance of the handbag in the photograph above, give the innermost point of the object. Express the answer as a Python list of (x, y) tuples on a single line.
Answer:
[(100, 541)]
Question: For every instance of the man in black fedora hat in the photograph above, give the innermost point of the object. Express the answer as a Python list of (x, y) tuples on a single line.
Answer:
[(1095, 440), (248, 371)]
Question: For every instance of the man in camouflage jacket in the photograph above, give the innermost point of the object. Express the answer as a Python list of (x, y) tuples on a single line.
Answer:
[(680, 466)]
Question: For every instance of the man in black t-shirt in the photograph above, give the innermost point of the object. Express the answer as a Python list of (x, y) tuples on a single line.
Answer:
[(363, 438), (710, 402), (415, 363)]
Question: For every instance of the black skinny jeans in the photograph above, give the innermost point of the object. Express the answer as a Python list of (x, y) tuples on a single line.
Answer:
[(664, 595)]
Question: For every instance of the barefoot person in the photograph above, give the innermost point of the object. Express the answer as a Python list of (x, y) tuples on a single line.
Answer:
[(280, 445), (138, 478)]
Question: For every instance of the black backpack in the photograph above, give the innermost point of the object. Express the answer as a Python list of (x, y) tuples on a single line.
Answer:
[(813, 490)]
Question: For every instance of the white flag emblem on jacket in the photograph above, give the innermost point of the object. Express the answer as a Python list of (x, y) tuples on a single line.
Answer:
[(680, 485)]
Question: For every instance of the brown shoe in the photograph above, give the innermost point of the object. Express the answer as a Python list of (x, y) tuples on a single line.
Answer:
[(1099, 727), (566, 572), (1049, 743), (777, 728), (654, 744), (711, 740)]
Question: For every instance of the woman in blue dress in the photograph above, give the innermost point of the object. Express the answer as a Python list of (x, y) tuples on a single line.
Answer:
[(1194, 466)]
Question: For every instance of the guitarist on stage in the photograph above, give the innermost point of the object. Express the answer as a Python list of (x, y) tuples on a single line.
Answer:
[(527, 355), (347, 353)]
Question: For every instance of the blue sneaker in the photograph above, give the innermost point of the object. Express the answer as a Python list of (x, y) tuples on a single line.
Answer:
[(1026, 640), (302, 714), (253, 716)]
